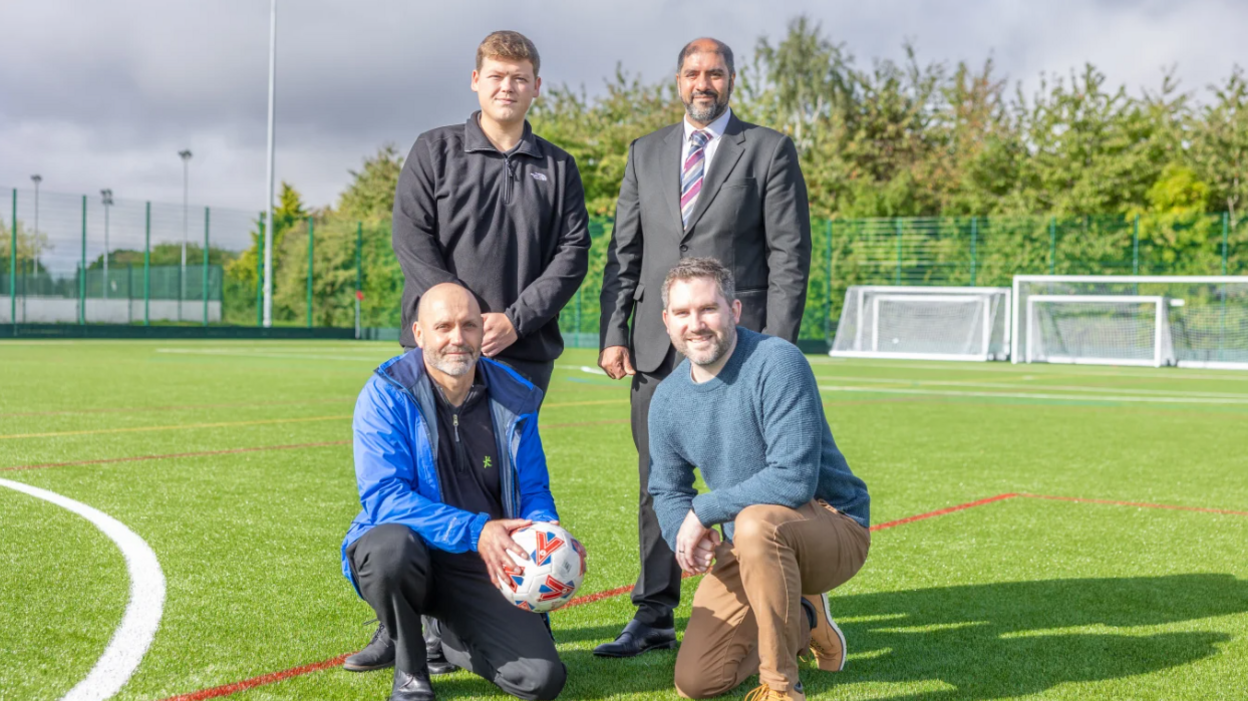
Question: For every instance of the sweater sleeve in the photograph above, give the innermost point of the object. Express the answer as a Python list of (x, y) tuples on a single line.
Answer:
[(792, 423), (414, 232), (671, 476)]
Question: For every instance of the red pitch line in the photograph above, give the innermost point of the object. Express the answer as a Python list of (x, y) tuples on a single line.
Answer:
[(273, 677), (200, 453), (1142, 505), (942, 512)]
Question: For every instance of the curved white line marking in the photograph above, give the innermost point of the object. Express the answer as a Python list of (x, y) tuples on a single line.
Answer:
[(142, 617)]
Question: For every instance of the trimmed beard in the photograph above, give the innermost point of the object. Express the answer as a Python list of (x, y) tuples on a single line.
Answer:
[(454, 368), (712, 354), (715, 111)]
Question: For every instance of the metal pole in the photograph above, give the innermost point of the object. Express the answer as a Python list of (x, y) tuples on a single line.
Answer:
[(359, 273), (271, 230), (827, 300), (578, 318), (147, 267), (1135, 247), (82, 280), (204, 284), (1225, 237), (311, 239), (186, 162), (974, 244), (107, 197), (260, 275), (13, 265), (1052, 245), (36, 179)]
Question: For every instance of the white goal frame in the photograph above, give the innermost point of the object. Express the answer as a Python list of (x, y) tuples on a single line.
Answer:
[(897, 293), (1017, 355), (1161, 328)]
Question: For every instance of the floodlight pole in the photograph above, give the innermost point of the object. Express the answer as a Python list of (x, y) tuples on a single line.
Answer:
[(185, 155), (107, 197), (270, 230)]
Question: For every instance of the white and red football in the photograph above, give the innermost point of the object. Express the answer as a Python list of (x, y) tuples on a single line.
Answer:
[(552, 574)]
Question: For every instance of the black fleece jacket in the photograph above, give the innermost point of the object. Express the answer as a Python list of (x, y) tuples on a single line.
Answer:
[(511, 227)]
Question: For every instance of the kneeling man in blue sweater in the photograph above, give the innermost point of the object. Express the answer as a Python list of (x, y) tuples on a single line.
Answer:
[(744, 409)]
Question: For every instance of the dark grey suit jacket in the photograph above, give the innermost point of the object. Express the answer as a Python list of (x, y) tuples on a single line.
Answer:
[(752, 214)]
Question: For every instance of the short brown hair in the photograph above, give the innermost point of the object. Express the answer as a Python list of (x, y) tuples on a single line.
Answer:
[(510, 46), (701, 268)]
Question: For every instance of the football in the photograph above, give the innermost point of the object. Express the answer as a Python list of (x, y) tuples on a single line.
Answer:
[(552, 574)]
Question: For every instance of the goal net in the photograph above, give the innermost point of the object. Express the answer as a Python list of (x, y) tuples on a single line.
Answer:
[(924, 323), (1131, 320)]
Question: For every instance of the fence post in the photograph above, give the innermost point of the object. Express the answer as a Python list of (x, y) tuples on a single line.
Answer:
[(147, 266), (129, 293), (1052, 245), (260, 272), (310, 245), (204, 284), (82, 282), (1226, 233), (897, 276), (13, 265), (359, 273), (1135, 247), (827, 300), (578, 316), (974, 244)]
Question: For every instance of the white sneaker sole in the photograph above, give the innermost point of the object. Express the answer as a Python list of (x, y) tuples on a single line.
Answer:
[(827, 618)]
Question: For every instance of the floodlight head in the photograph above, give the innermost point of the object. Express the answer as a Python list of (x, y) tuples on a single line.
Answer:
[(36, 179), (186, 155), (107, 196)]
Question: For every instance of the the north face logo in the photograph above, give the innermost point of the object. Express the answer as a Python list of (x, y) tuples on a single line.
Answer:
[(538, 176)]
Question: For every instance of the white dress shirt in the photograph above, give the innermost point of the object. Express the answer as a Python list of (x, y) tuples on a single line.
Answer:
[(714, 130)]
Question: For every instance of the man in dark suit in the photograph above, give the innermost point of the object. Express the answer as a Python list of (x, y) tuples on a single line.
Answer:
[(711, 186)]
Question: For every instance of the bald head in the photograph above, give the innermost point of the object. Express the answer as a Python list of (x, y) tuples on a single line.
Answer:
[(449, 329)]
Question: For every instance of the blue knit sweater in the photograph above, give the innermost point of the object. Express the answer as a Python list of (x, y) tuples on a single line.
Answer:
[(757, 433)]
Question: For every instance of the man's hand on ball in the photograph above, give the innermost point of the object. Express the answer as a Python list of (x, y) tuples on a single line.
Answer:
[(688, 539), (499, 333), (495, 542), (615, 362)]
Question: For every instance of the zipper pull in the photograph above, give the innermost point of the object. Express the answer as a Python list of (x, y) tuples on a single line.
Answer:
[(455, 423)]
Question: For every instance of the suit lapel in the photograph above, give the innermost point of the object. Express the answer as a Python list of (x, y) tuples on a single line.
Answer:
[(731, 145), (669, 167)]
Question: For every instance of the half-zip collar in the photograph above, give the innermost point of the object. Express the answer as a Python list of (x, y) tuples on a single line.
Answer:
[(475, 141)]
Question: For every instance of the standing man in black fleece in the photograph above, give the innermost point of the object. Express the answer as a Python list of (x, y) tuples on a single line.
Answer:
[(493, 207)]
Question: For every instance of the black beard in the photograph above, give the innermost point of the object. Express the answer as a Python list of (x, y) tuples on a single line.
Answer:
[(717, 109)]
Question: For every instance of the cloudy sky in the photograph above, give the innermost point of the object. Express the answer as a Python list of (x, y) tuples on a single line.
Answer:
[(104, 94)]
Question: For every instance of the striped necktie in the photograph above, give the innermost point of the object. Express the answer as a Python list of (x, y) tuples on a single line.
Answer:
[(691, 175)]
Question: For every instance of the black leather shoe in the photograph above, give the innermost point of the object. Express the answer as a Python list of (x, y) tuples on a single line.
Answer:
[(636, 639), (411, 687), (436, 659), (378, 654)]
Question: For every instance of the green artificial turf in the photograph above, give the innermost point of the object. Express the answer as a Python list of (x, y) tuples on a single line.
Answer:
[(1020, 597)]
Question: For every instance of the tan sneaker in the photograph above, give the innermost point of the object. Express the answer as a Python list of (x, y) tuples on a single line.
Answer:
[(766, 693), (826, 639)]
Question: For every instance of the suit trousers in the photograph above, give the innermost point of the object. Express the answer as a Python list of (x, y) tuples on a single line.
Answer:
[(402, 578), (657, 592)]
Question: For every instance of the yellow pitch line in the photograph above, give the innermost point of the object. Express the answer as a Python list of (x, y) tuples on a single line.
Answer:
[(136, 429)]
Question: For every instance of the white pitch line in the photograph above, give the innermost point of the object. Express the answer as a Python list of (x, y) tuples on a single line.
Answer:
[(262, 354), (142, 617), (1007, 385), (1036, 395)]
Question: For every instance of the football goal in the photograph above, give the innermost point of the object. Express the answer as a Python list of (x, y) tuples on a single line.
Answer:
[(1131, 320), (924, 323)]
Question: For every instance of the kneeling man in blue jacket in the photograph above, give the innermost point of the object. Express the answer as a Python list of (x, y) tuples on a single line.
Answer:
[(448, 463)]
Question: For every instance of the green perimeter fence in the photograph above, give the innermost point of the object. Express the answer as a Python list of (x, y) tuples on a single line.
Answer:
[(73, 259)]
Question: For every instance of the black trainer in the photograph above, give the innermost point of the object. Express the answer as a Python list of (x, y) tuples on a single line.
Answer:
[(378, 654)]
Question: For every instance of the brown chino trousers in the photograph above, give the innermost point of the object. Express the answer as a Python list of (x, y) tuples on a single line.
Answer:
[(747, 612)]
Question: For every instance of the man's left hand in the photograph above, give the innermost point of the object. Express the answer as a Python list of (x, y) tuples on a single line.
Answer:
[(689, 542), (499, 333)]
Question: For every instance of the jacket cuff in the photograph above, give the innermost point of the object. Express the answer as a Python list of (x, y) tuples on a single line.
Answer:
[(514, 317), (474, 530), (614, 337)]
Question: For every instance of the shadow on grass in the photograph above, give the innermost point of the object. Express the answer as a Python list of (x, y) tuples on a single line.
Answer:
[(984, 641), (1011, 639)]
